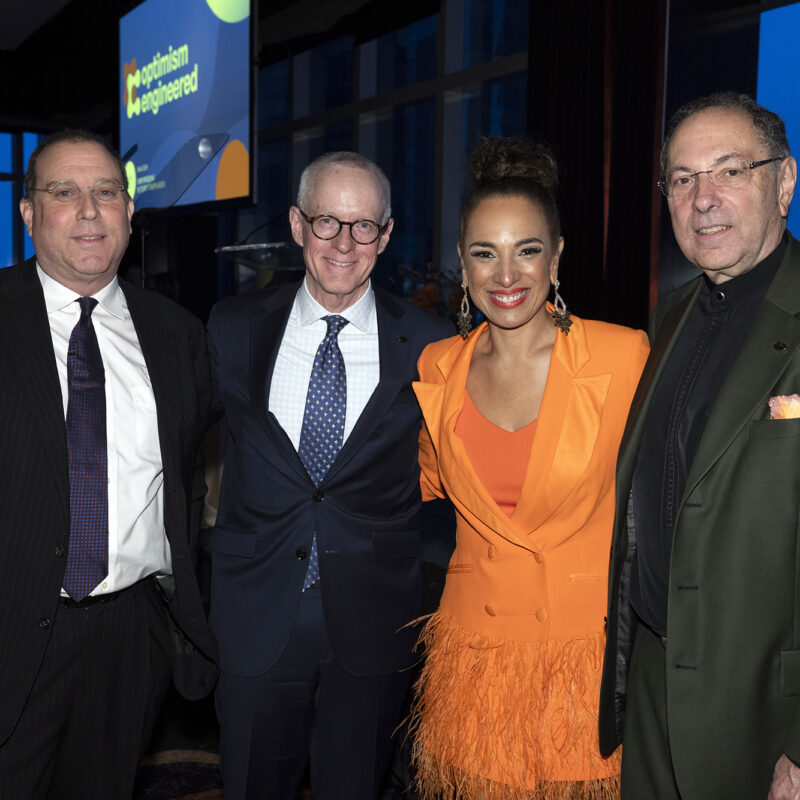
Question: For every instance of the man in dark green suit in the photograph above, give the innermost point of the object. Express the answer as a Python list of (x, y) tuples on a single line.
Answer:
[(702, 668)]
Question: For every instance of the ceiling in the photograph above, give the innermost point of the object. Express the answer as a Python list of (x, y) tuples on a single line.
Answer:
[(58, 63), (21, 19)]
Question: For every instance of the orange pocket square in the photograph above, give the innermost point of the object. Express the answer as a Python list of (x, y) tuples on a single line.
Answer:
[(784, 406)]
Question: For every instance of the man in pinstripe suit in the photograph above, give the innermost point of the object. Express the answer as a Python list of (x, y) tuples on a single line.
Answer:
[(83, 671)]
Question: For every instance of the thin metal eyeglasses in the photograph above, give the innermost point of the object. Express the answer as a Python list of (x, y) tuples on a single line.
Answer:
[(723, 176), (325, 226), (104, 191)]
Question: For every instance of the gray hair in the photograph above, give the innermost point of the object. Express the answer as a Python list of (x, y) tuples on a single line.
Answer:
[(768, 124), (343, 158)]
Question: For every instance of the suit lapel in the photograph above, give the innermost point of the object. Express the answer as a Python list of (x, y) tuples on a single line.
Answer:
[(25, 319), (666, 334), (768, 350), (569, 422), (154, 339), (442, 404), (266, 334), (395, 352)]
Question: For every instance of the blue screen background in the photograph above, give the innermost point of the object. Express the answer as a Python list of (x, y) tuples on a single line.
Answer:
[(220, 108), (779, 77)]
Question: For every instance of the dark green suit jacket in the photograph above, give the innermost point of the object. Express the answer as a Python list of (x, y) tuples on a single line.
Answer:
[(733, 630)]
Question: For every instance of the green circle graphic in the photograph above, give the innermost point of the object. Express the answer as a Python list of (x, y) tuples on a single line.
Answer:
[(230, 10), (130, 173)]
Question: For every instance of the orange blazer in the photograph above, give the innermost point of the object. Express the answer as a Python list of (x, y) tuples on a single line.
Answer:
[(541, 574)]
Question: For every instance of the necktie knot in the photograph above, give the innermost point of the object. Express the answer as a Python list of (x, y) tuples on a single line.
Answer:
[(87, 305), (335, 324)]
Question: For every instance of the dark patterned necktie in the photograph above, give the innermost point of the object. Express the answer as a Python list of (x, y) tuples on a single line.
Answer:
[(87, 558), (323, 421)]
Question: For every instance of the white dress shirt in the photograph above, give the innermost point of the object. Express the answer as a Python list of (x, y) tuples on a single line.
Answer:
[(137, 542), (304, 332)]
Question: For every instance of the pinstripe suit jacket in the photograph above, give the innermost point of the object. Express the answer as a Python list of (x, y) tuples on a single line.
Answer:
[(34, 500)]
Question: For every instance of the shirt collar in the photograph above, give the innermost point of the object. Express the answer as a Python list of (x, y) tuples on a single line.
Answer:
[(360, 315), (750, 286), (57, 296)]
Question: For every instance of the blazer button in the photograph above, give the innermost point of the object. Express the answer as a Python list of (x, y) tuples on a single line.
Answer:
[(44, 623), (60, 551), (318, 495), (537, 557), (301, 553), (490, 611), (541, 614), (492, 551)]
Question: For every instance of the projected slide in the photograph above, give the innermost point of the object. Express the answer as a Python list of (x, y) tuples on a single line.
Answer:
[(778, 71), (185, 101)]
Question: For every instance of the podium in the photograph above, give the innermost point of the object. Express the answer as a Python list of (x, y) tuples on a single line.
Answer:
[(277, 256)]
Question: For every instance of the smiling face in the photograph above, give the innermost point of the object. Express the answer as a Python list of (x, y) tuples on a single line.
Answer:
[(508, 261), (727, 231), (338, 269), (78, 244)]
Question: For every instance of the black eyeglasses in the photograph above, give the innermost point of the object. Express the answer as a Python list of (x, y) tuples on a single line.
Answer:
[(325, 226), (724, 176)]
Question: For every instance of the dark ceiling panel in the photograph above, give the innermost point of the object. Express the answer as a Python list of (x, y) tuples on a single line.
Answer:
[(21, 20)]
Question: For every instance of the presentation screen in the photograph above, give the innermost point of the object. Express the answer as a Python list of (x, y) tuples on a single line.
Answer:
[(185, 101), (778, 70)]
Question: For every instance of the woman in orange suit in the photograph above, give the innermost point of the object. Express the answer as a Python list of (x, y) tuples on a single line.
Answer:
[(522, 420)]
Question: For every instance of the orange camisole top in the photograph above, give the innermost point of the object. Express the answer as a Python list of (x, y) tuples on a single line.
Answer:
[(499, 457)]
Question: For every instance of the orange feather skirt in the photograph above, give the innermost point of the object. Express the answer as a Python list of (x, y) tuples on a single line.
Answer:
[(506, 719)]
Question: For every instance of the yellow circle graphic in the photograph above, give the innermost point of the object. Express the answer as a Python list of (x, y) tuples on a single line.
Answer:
[(230, 10), (130, 173)]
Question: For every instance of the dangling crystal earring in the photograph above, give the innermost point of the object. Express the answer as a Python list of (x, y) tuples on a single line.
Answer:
[(464, 318), (561, 317)]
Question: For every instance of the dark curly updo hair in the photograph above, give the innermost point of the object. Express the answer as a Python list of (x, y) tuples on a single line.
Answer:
[(512, 167)]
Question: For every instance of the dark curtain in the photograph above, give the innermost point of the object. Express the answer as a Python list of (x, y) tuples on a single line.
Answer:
[(637, 79), (565, 107), (595, 78)]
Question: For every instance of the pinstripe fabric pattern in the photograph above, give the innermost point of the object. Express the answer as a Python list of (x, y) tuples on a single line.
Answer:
[(34, 532), (34, 490), (63, 722)]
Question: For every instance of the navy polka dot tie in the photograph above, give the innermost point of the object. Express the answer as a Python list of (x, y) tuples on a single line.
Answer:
[(87, 558), (323, 421)]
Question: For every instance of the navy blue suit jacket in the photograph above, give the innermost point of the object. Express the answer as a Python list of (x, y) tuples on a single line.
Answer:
[(365, 512)]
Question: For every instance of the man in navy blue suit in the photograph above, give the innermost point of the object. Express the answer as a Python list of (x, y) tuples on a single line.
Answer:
[(316, 549)]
